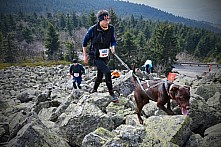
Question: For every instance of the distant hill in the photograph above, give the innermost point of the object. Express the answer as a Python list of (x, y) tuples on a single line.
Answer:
[(122, 9)]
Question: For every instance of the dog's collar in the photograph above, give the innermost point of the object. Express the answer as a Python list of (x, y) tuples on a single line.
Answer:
[(166, 84), (170, 89), (171, 86)]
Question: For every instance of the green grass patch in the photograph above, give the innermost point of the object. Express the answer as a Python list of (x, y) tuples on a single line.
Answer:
[(34, 64)]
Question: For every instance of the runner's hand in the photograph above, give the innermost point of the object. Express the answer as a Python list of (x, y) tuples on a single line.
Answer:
[(85, 59), (112, 50)]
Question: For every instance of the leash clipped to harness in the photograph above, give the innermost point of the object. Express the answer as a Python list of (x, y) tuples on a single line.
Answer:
[(137, 78), (125, 65)]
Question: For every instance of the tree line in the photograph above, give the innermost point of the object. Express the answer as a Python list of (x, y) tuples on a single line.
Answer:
[(32, 37), (55, 6)]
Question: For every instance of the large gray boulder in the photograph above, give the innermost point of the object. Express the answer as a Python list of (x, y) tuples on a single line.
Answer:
[(82, 120), (203, 116), (195, 140), (97, 138), (124, 135), (35, 133), (156, 132), (215, 101), (168, 130), (208, 90), (218, 76), (212, 136), (124, 84)]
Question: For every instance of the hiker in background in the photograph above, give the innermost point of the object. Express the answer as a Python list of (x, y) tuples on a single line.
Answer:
[(102, 39), (76, 72), (148, 66)]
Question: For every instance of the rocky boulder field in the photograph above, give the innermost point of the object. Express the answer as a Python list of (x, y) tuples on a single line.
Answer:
[(39, 108)]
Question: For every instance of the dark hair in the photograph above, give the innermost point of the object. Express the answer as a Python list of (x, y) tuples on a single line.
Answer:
[(74, 60), (101, 14)]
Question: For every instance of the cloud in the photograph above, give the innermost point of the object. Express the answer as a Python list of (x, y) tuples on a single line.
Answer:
[(204, 10)]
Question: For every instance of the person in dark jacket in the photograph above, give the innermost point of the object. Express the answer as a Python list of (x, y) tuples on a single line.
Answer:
[(76, 72), (102, 40)]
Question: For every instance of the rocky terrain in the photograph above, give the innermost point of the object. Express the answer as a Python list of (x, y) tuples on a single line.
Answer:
[(39, 108)]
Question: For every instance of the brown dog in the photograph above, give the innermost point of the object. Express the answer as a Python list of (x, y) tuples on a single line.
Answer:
[(160, 92)]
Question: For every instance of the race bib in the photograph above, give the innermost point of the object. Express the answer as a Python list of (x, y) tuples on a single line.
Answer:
[(76, 74), (103, 53)]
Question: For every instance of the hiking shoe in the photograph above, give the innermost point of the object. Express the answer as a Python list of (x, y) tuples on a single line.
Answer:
[(114, 98)]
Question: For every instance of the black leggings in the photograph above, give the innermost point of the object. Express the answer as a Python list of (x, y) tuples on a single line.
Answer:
[(102, 68)]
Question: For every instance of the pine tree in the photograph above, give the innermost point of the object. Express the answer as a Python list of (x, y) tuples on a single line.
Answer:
[(62, 22), (69, 24), (163, 44), (115, 22), (52, 44), (129, 47), (27, 35), (10, 48), (74, 20), (92, 19), (1, 47), (71, 53), (83, 21)]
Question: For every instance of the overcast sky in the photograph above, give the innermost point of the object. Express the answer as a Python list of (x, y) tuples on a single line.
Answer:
[(205, 10)]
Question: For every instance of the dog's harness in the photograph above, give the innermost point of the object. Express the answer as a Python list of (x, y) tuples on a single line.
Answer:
[(138, 80), (153, 85), (168, 88)]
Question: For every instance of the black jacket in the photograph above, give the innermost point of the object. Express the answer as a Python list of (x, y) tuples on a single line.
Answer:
[(77, 69)]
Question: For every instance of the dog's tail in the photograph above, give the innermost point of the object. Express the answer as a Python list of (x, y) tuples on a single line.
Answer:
[(134, 75)]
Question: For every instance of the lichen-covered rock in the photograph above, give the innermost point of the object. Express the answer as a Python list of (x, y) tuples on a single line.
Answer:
[(208, 90), (195, 140), (218, 76), (168, 130), (101, 100), (82, 120), (212, 136), (132, 120), (125, 84), (35, 133), (124, 135), (215, 101), (119, 111), (203, 116), (127, 135), (97, 138), (24, 97)]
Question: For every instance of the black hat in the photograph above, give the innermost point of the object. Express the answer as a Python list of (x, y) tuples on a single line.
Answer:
[(101, 14), (74, 60)]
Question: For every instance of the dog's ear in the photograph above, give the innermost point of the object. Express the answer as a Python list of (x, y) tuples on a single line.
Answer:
[(174, 88), (173, 91), (188, 87)]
